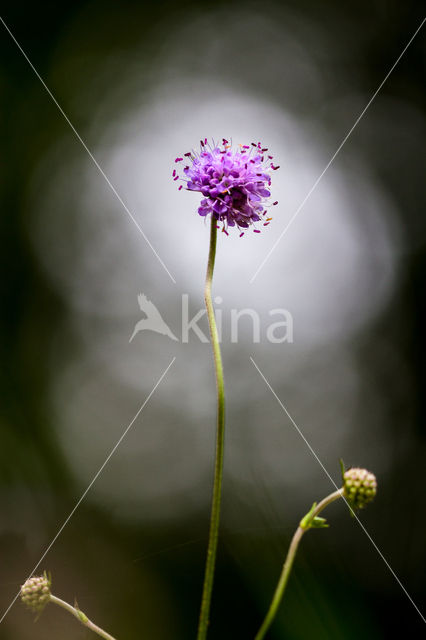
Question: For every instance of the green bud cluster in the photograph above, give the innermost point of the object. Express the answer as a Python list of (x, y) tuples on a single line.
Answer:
[(35, 592), (359, 487)]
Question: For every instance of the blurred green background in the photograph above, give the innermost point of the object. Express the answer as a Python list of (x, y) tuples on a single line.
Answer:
[(142, 83)]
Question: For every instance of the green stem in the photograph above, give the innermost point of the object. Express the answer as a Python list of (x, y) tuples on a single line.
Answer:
[(220, 433), (288, 564), (81, 617)]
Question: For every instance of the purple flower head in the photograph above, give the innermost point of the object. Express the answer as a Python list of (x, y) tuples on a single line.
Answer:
[(235, 183)]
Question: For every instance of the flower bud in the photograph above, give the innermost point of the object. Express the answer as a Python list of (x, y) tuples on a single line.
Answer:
[(359, 487), (35, 592)]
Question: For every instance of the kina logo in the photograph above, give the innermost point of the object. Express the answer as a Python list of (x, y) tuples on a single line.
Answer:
[(152, 321)]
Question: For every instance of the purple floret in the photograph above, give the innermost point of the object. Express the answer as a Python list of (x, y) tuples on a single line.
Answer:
[(234, 183)]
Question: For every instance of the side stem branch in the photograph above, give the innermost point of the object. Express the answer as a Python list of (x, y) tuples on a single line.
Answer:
[(81, 617), (288, 564)]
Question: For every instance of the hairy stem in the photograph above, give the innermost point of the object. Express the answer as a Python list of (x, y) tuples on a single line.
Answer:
[(220, 433), (288, 564), (81, 617)]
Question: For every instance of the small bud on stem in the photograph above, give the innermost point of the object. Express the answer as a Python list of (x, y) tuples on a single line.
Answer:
[(359, 487), (36, 594)]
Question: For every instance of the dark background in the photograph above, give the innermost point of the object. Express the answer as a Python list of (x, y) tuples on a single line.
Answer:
[(138, 572)]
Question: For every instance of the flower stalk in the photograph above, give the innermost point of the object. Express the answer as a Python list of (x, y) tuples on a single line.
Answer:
[(220, 440), (309, 521), (75, 611)]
